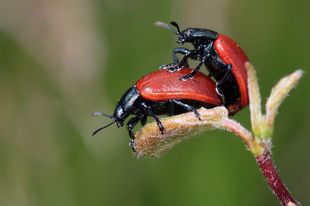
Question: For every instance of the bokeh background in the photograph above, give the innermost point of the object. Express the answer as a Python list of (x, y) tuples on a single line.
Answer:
[(62, 60)]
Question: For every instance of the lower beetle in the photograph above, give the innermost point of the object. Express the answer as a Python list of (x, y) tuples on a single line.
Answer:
[(222, 56), (162, 94)]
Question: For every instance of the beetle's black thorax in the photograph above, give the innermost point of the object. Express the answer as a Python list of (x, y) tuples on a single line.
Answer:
[(128, 104)]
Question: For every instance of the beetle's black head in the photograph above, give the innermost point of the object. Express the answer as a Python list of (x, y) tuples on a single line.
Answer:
[(124, 107), (184, 36)]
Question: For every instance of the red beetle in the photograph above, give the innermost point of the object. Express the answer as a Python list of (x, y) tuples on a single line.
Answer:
[(222, 56), (162, 94)]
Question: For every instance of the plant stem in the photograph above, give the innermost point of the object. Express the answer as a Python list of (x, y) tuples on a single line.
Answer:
[(265, 163)]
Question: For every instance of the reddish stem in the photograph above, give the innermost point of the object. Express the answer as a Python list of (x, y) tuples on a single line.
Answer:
[(265, 163)]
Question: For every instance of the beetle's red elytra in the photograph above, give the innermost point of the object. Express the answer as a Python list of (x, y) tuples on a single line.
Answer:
[(160, 86), (230, 53)]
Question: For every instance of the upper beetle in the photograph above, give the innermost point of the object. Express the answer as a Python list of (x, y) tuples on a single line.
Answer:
[(222, 56), (159, 94)]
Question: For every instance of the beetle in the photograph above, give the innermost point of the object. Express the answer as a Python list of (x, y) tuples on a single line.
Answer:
[(160, 94), (222, 56)]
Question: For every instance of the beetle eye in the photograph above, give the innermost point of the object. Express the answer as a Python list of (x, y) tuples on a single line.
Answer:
[(188, 33)]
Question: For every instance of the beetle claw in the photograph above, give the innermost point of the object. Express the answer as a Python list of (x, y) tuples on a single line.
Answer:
[(197, 114), (161, 128), (170, 67), (173, 69), (219, 91), (132, 142), (186, 77)]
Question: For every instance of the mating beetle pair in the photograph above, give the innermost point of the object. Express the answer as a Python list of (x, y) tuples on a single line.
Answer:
[(160, 93)]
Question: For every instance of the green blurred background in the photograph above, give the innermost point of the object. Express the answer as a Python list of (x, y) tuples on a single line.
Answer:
[(62, 60)]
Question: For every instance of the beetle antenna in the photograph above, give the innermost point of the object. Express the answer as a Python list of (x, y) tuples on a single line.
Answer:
[(176, 25), (101, 128), (101, 114), (161, 24)]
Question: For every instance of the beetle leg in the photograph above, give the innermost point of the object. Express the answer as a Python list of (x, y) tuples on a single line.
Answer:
[(219, 83), (187, 53), (130, 125), (187, 107), (193, 73), (173, 66), (177, 65), (143, 119), (170, 67), (203, 57), (156, 118)]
